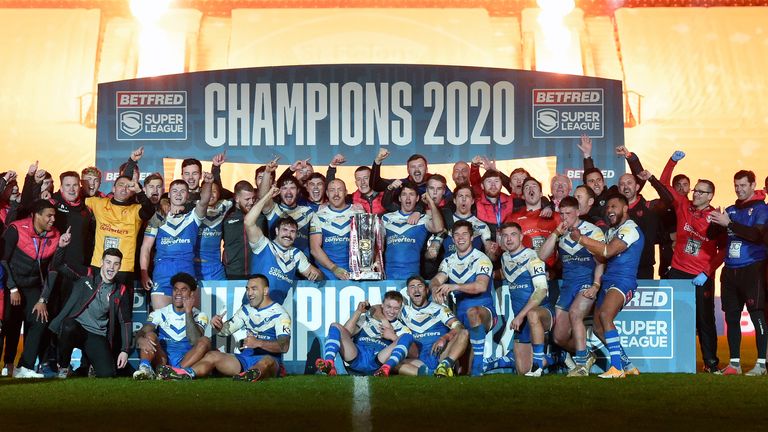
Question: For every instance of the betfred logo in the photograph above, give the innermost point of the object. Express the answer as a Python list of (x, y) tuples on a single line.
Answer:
[(567, 113), (151, 115)]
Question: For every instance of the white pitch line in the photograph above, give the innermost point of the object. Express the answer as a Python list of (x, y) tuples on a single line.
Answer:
[(361, 406)]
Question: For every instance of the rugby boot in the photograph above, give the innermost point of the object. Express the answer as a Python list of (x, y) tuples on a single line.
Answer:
[(443, 371), (251, 375), (144, 373), (166, 372), (578, 371), (325, 367), (383, 371), (613, 373), (632, 371)]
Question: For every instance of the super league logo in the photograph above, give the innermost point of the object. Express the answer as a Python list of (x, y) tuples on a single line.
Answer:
[(546, 120), (130, 122)]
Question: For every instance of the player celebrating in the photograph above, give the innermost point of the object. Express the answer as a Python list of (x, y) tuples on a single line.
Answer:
[(174, 238), (467, 274), (277, 260), (269, 336), (208, 265), (440, 337), (373, 340), (622, 252), (180, 325), (288, 206), (581, 281), (526, 276), (329, 238), (405, 241)]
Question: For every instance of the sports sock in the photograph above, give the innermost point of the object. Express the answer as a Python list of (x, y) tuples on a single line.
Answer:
[(735, 362), (145, 362), (424, 371), (538, 355), (580, 358), (625, 362), (503, 362), (400, 351), (448, 362), (190, 371), (613, 343), (332, 343), (477, 340)]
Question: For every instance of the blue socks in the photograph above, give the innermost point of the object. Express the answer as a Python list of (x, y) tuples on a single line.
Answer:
[(613, 343), (503, 362), (401, 350), (332, 343), (580, 357), (145, 362), (477, 340)]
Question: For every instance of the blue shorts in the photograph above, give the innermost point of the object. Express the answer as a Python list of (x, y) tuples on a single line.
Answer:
[(366, 362), (425, 352), (247, 360), (164, 270), (626, 288), (175, 352), (569, 292), (524, 334), (210, 271), (462, 316)]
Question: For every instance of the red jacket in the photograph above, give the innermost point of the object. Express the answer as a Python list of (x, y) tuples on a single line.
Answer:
[(373, 206)]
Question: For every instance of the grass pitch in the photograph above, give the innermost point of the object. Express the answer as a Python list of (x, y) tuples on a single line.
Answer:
[(646, 402)]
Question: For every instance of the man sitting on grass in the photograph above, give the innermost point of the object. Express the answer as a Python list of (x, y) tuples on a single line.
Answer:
[(173, 335), (261, 352), (372, 342)]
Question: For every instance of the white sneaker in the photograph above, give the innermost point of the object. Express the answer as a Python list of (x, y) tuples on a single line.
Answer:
[(7, 371), (22, 372), (758, 370)]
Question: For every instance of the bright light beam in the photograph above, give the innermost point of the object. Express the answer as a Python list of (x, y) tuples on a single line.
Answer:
[(555, 47)]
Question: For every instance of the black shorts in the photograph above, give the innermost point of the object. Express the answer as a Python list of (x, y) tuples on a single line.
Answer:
[(743, 286)]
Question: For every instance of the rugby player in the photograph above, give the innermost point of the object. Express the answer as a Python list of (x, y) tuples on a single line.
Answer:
[(277, 260), (174, 238), (526, 276), (373, 340), (622, 250), (287, 207), (582, 273), (329, 232), (173, 335), (440, 337), (467, 275), (405, 241), (268, 326)]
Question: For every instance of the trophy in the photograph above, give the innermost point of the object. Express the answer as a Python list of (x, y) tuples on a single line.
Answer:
[(365, 243)]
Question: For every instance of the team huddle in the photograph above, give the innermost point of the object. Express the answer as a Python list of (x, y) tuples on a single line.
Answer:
[(73, 256)]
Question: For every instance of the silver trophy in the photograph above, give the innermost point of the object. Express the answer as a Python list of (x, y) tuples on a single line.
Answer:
[(365, 248)]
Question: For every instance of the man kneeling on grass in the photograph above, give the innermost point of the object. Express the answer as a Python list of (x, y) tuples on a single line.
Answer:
[(173, 335), (261, 352)]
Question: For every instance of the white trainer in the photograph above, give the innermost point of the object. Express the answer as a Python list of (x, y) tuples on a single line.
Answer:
[(22, 372)]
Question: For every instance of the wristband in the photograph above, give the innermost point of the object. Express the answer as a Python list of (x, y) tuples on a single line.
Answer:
[(14, 290)]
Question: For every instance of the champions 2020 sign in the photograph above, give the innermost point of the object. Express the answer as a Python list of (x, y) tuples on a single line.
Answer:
[(446, 113)]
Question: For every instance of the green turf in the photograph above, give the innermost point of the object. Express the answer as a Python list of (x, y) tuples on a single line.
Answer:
[(648, 402)]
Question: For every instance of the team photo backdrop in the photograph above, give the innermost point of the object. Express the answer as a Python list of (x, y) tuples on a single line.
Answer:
[(446, 113)]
